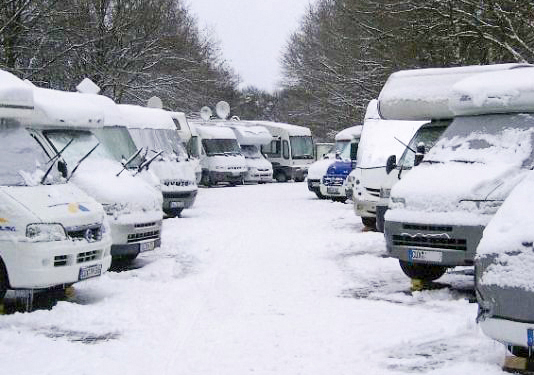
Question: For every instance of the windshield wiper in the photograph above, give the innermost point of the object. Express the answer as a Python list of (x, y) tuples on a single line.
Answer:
[(147, 163), (130, 159), (81, 160), (53, 160), (465, 161), (432, 162), (405, 145)]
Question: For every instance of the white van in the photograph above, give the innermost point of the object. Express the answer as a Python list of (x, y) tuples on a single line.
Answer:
[(220, 157), (290, 151), (63, 123), (250, 139), (51, 233), (154, 130), (379, 139), (334, 184), (438, 212)]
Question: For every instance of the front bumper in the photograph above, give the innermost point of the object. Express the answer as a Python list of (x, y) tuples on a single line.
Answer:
[(178, 200), (231, 177), (508, 332), (259, 176), (442, 244), (128, 238), (365, 208)]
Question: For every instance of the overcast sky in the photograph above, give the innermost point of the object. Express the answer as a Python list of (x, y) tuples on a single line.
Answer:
[(253, 34)]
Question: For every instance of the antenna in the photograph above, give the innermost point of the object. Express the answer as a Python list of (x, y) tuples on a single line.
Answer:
[(154, 102), (205, 113), (223, 110)]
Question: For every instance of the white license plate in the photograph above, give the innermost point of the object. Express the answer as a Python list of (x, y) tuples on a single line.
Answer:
[(430, 256), (90, 271), (147, 246), (235, 173), (177, 204), (332, 190)]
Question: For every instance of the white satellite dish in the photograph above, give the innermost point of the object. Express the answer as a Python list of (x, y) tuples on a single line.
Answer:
[(154, 102), (205, 113), (86, 86), (223, 110)]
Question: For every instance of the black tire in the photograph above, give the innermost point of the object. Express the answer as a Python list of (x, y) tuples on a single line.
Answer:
[(174, 212), (4, 282), (206, 180), (299, 179), (281, 177), (369, 222), (422, 271), (319, 195), (339, 199)]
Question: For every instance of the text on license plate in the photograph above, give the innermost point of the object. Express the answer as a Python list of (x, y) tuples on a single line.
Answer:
[(431, 256), (332, 190), (90, 271), (146, 246)]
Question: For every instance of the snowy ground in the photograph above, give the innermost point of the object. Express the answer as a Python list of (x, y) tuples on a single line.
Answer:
[(260, 279)]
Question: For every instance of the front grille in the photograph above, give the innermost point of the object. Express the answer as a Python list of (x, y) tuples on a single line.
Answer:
[(427, 228), (373, 192), (90, 233), (178, 183), (144, 225), (60, 260), (429, 241), (178, 194), (136, 237), (88, 256)]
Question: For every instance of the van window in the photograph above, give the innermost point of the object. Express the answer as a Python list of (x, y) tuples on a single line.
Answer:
[(285, 145), (177, 123), (429, 134), (301, 147), (272, 149)]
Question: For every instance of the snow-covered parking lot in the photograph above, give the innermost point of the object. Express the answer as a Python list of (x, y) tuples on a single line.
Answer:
[(262, 279)]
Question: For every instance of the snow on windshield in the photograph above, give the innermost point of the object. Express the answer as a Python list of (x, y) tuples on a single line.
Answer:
[(156, 140), (488, 139), (23, 161), (119, 143), (220, 146), (301, 147), (251, 151)]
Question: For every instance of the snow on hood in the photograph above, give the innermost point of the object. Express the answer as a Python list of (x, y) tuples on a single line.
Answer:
[(509, 235), (317, 170), (174, 175)]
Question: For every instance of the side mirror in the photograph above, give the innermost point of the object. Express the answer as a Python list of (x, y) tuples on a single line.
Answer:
[(419, 154), (62, 168), (391, 163)]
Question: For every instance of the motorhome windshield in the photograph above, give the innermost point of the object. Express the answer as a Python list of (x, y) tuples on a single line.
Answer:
[(428, 134), (251, 151), (157, 140), (83, 142), (343, 149), (221, 147), (301, 147), (487, 139), (119, 143), (23, 162)]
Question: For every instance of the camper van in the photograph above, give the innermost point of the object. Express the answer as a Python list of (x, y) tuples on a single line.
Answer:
[(379, 139), (189, 137), (153, 130), (251, 138), (220, 157), (439, 211), (62, 124), (423, 140), (334, 181), (290, 151), (51, 233)]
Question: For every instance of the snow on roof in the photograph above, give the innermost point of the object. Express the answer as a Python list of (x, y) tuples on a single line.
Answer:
[(494, 92), (424, 93), (146, 118), (349, 133), (16, 97), (66, 109), (215, 132), (251, 135), (295, 130)]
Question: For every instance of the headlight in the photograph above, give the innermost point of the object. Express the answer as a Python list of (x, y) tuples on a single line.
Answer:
[(385, 193), (45, 232), (397, 202), (115, 208), (483, 207)]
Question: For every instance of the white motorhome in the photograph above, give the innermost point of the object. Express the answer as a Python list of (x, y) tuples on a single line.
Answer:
[(290, 151), (379, 139), (220, 157), (190, 139), (62, 124), (250, 139), (154, 130), (438, 212), (51, 233)]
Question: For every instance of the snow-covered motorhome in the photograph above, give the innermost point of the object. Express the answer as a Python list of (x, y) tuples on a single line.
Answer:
[(51, 233), (503, 268), (63, 124), (290, 151), (250, 138), (334, 181), (438, 212), (220, 157), (190, 139), (154, 130), (379, 140)]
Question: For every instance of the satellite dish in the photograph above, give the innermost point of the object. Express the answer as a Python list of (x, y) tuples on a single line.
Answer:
[(154, 102), (86, 86), (205, 113), (223, 110)]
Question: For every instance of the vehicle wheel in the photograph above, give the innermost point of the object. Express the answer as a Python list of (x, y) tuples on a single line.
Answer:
[(299, 179), (340, 199), (422, 271), (319, 195), (206, 180), (3, 280), (369, 222), (281, 177), (174, 212)]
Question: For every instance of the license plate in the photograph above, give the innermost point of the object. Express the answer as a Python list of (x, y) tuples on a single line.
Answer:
[(430, 256), (332, 190), (315, 184), (235, 173), (90, 271), (147, 246), (177, 204)]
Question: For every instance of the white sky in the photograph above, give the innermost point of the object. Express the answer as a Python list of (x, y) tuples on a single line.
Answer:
[(253, 34)]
